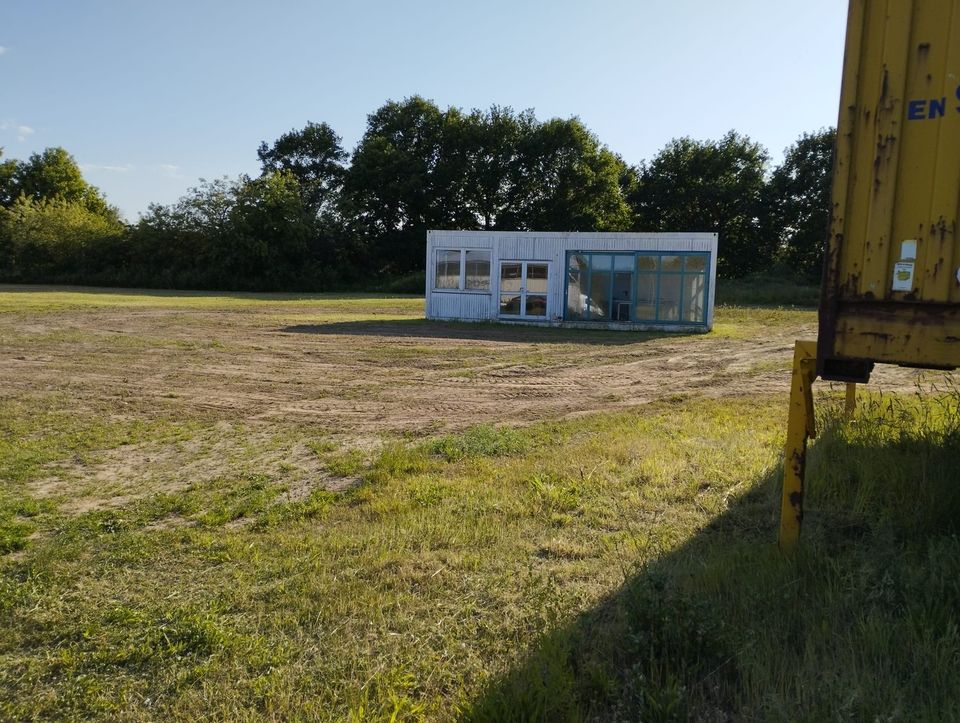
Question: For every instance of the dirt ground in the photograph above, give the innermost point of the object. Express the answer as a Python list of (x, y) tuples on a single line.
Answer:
[(282, 389), (368, 376)]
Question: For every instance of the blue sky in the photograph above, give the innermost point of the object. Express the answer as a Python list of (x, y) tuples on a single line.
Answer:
[(151, 96)]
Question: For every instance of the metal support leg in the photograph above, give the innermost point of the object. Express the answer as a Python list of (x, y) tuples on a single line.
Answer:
[(850, 404), (801, 426)]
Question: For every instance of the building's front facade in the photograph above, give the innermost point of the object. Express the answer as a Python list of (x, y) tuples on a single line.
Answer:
[(607, 280)]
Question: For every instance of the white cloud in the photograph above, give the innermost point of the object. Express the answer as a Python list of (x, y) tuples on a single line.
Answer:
[(170, 171), (23, 132), (3, 50), (125, 168)]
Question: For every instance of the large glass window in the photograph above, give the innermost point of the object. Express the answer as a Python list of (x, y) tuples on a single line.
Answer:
[(599, 299), (578, 276), (694, 303), (668, 306), (638, 287), (695, 288), (647, 277), (622, 287), (467, 270)]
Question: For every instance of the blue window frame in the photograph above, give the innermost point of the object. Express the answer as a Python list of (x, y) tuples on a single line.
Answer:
[(641, 287)]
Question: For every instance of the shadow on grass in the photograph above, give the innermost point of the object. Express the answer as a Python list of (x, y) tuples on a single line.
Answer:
[(863, 623), (483, 331)]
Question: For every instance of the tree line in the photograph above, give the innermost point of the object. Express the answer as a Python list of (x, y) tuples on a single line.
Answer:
[(320, 218)]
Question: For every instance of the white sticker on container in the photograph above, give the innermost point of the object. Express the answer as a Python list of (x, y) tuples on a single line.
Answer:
[(908, 250), (903, 276)]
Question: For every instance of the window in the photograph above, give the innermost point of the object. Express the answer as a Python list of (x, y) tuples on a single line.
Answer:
[(478, 270), (578, 276), (463, 270), (599, 299), (652, 287), (448, 270)]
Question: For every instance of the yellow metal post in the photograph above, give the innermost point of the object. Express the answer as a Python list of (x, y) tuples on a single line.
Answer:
[(801, 425), (850, 405)]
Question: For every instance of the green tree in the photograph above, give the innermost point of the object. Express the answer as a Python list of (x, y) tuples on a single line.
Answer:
[(491, 142), (54, 174), (565, 180), (184, 244), (54, 239), (406, 177), (242, 234), (715, 186), (315, 157), (800, 202), (271, 230), (7, 170), (418, 167)]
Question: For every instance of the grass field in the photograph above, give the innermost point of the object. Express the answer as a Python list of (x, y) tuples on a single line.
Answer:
[(323, 507)]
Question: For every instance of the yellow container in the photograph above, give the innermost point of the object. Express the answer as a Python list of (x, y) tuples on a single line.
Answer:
[(891, 288)]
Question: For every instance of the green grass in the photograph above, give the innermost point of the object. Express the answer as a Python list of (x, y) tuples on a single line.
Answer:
[(861, 624), (403, 594), (618, 565), (611, 566)]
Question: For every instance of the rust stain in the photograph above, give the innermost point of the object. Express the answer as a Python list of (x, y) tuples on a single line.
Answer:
[(796, 502), (852, 284)]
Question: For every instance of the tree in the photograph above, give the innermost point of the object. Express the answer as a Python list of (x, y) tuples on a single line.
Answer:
[(53, 238), (800, 202), (711, 186), (491, 142), (7, 170), (242, 234), (186, 244), (271, 230), (54, 174), (418, 167), (403, 180), (54, 224), (314, 156), (565, 180)]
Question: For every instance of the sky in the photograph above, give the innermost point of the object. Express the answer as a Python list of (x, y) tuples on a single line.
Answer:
[(149, 97)]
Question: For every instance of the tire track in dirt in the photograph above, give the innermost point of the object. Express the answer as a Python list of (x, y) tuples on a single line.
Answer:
[(365, 379)]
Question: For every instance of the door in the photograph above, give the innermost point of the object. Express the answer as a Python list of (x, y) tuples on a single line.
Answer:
[(523, 289)]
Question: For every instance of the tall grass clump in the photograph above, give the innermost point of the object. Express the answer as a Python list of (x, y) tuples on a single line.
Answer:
[(480, 441), (894, 464)]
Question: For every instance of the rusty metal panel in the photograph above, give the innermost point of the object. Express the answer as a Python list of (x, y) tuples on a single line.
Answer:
[(891, 290)]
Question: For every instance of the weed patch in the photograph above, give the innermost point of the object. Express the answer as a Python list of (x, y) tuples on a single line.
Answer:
[(481, 441)]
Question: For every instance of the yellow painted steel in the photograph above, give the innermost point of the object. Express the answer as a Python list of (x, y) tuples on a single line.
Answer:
[(892, 286), (850, 403), (801, 426), (891, 290)]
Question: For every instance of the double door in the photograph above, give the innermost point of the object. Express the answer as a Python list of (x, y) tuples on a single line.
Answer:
[(523, 289)]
